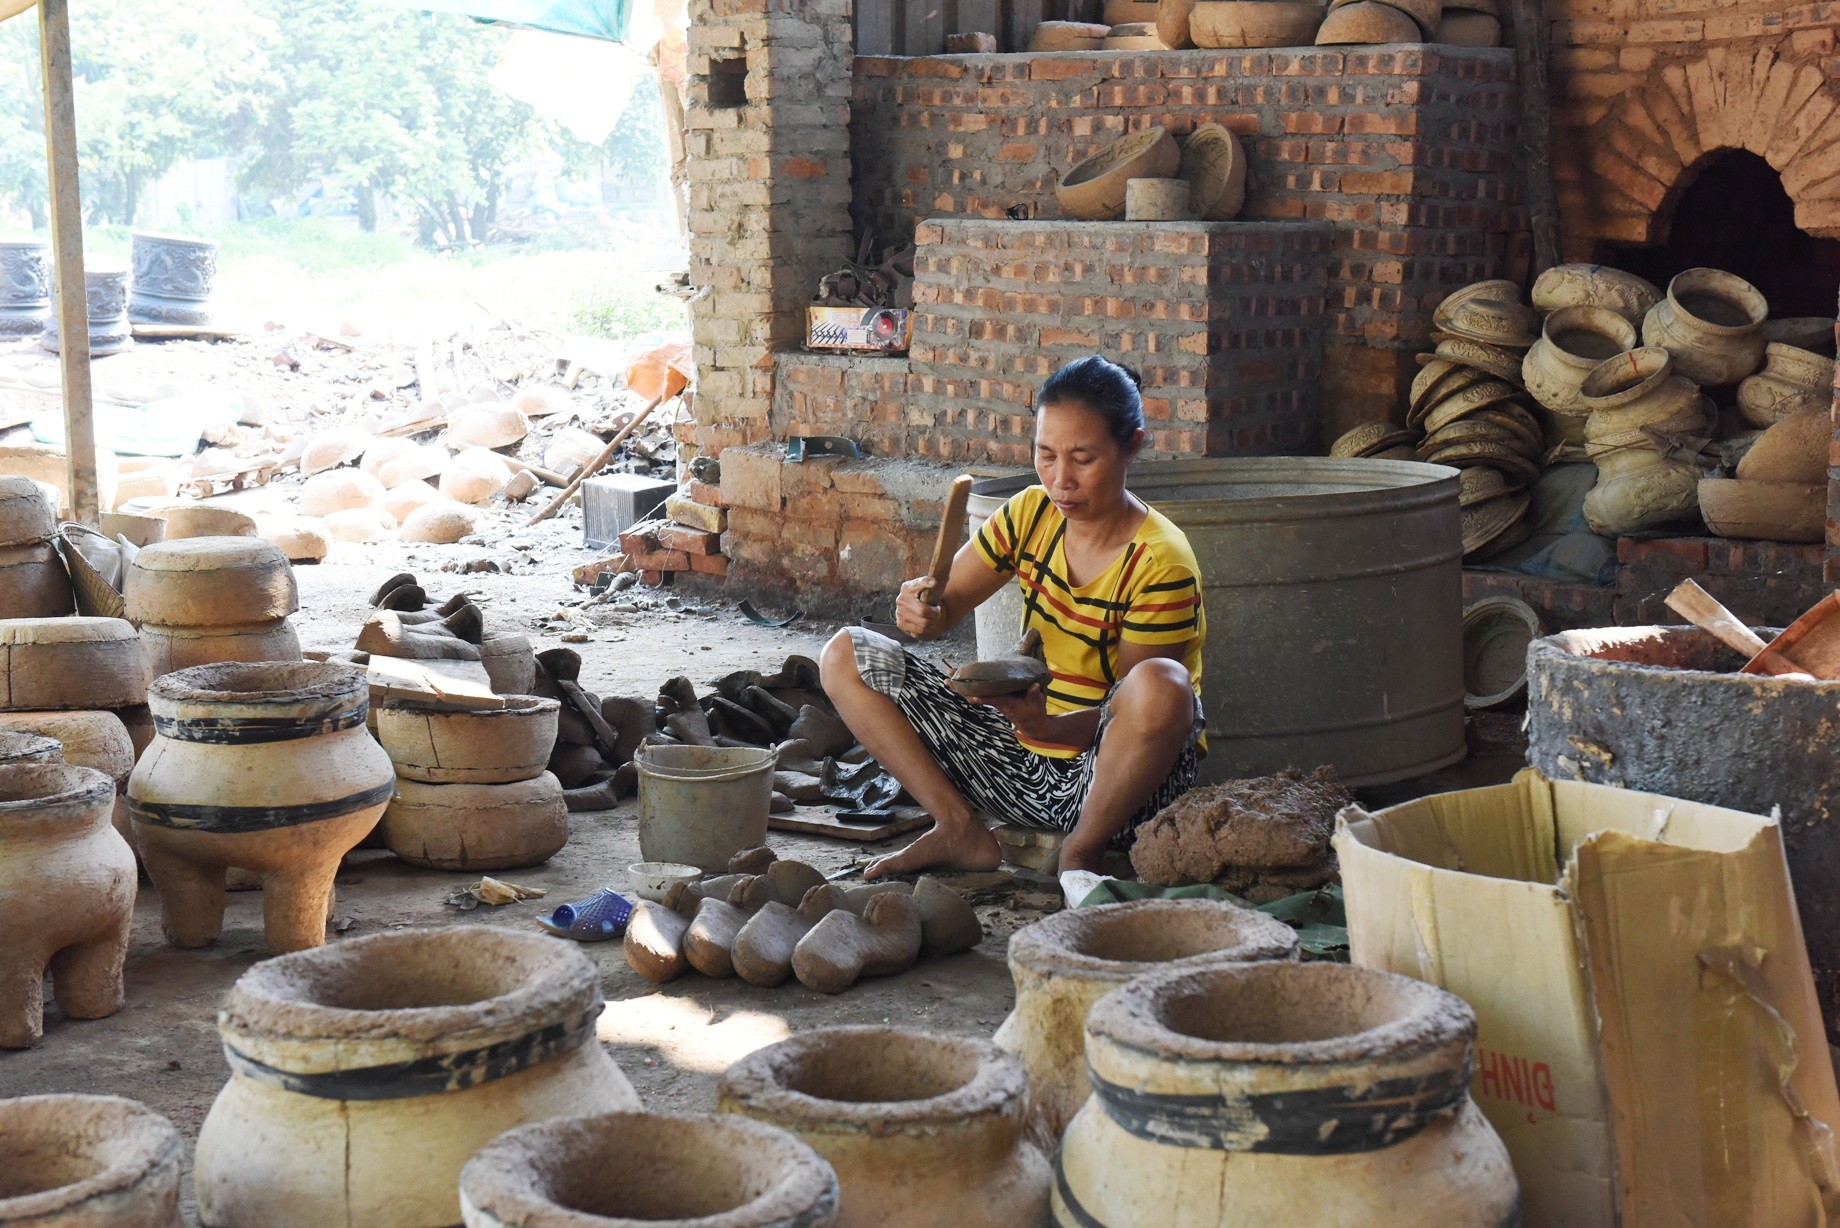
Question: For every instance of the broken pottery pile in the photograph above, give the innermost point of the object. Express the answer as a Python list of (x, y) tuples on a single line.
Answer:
[(33, 582), (364, 1075), (1065, 963), (202, 600), (67, 887), (472, 792), (1778, 491), (924, 1131), (1263, 838), (87, 1162), (769, 920), (266, 767), (620, 1169), (1222, 1095)]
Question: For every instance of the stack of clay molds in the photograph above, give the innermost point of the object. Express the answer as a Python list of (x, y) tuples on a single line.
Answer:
[(79, 681), (33, 582), (472, 789), (205, 600)]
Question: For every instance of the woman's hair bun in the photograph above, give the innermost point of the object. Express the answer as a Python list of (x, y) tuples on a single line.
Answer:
[(1107, 388)]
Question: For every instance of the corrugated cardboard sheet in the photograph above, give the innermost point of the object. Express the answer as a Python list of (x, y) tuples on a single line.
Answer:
[(1710, 1098)]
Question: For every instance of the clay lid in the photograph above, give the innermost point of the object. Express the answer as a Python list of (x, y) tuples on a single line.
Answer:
[(1480, 483), (1455, 378), (1813, 333), (1499, 322), (80, 629), (1472, 430), (703, 1169), (1368, 23), (848, 1080), (127, 1154), (1368, 438), (406, 994), (1468, 401), (1499, 289), (1499, 362), (1116, 942), (1520, 424), (1496, 632), (1484, 522), (210, 554), (1215, 167)]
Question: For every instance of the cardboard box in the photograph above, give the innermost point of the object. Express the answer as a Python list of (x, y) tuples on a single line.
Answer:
[(878, 330), (1649, 1045)]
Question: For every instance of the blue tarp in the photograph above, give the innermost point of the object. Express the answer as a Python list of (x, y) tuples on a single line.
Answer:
[(605, 19)]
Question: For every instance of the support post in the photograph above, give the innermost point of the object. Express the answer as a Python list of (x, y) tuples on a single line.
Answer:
[(1531, 50), (67, 255)]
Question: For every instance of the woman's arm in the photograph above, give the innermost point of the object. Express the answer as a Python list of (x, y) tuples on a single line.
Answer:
[(971, 583)]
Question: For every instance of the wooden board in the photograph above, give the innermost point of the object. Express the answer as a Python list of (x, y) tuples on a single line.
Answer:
[(458, 684), (823, 821)]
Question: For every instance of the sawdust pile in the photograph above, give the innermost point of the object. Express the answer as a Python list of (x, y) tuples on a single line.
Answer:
[(1262, 838)]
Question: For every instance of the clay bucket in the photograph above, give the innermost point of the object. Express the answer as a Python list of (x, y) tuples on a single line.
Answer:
[(1710, 321), (1222, 1096), (924, 1131), (87, 1162), (67, 885), (265, 767), (623, 1170), (1065, 963), (364, 1075)]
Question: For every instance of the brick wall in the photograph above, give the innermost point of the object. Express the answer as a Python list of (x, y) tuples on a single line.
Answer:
[(1407, 154)]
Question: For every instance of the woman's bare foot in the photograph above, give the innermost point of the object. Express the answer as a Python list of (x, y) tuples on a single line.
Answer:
[(966, 845)]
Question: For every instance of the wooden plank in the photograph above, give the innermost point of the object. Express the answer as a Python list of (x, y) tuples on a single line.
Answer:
[(67, 254), (823, 821), (875, 26), (459, 684)]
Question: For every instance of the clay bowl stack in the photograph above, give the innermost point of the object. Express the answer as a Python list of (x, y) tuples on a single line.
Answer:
[(1471, 410), (1352, 23), (33, 582), (472, 789)]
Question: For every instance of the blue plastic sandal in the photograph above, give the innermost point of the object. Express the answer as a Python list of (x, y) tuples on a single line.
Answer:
[(601, 916)]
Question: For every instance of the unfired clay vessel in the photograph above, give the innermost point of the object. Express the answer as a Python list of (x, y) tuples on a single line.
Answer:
[(487, 746), (67, 888), (77, 662), (623, 1170), (477, 827), (1792, 381), (1709, 321), (365, 1074), (1594, 285), (1065, 963), (924, 1131), (1259, 1094), (266, 767), (87, 1162)]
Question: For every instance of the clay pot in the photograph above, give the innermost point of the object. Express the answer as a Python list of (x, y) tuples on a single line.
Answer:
[(87, 1162), (175, 648), (67, 886), (1222, 1095), (99, 740), (301, 539), (26, 515), (105, 293), (1594, 285), (265, 767), (624, 1170), (1764, 511), (1254, 23), (364, 1075), (1172, 25), (1794, 450), (477, 827), (339, 490), (1368, 23), (210, 582), (1709, 321), (1427, 13), (23, 749), (922, 1130), (1573, 341), (1496, 632), (25, 287), (1792, 381), (510, 662), (485, 746), (424, 462), (490, 425), (173, 277), (74, 662), (1126, 12), (386, 450), (145, 477), (408, 497), (1134, 36), (474, 476), (570, 448), (1813, 333), (1094, 190), (33, 583), (1065, 963), (1645, 497), (443, 522), (330, 449), (1215, 166)]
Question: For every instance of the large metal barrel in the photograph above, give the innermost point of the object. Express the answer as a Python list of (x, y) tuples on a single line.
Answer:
[(1662, 710), (1334, 596)]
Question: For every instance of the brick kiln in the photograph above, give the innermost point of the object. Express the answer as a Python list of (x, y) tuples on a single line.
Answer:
[(1380, 179)]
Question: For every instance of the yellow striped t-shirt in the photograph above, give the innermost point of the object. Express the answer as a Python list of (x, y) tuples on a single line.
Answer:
[(1151, 594)]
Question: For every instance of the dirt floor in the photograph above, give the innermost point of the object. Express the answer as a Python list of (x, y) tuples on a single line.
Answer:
[(162, 1047)]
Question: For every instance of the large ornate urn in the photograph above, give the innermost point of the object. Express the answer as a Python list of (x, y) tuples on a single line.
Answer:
[(106, 290), (173, 276), (25, 287)]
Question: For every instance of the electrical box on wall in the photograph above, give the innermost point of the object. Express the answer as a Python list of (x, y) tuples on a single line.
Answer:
[(873, 330)]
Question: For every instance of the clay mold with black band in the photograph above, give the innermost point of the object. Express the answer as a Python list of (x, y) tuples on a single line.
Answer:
[(262, 767), (1236, 1086), (924, 1131), (348, 1059)]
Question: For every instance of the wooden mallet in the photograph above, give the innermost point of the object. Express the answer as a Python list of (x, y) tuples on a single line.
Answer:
[(951, 537)]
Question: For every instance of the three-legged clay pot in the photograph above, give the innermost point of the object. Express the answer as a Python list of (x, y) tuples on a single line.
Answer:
[(87, 1162), (624, 1170), (67, 888), (265, 767), (1259, 1094), (364, 1075), (924, 1131), (1065, 963)]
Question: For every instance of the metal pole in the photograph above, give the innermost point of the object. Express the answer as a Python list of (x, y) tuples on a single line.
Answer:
[(67, 253)]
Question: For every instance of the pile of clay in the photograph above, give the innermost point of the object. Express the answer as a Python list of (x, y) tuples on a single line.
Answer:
[(767, 921), (1261, 838)]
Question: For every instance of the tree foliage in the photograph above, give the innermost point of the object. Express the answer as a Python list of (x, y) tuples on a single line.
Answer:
[(384, 102)]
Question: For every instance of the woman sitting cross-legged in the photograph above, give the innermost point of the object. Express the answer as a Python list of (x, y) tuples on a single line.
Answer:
[(1113, 589)]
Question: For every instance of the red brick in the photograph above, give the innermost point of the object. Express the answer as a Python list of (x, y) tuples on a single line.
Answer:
[(709, 564), (660, 560), (704, 493)]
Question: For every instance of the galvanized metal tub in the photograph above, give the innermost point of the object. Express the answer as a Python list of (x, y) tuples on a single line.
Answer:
[(1334, 596), (1659, 709)]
